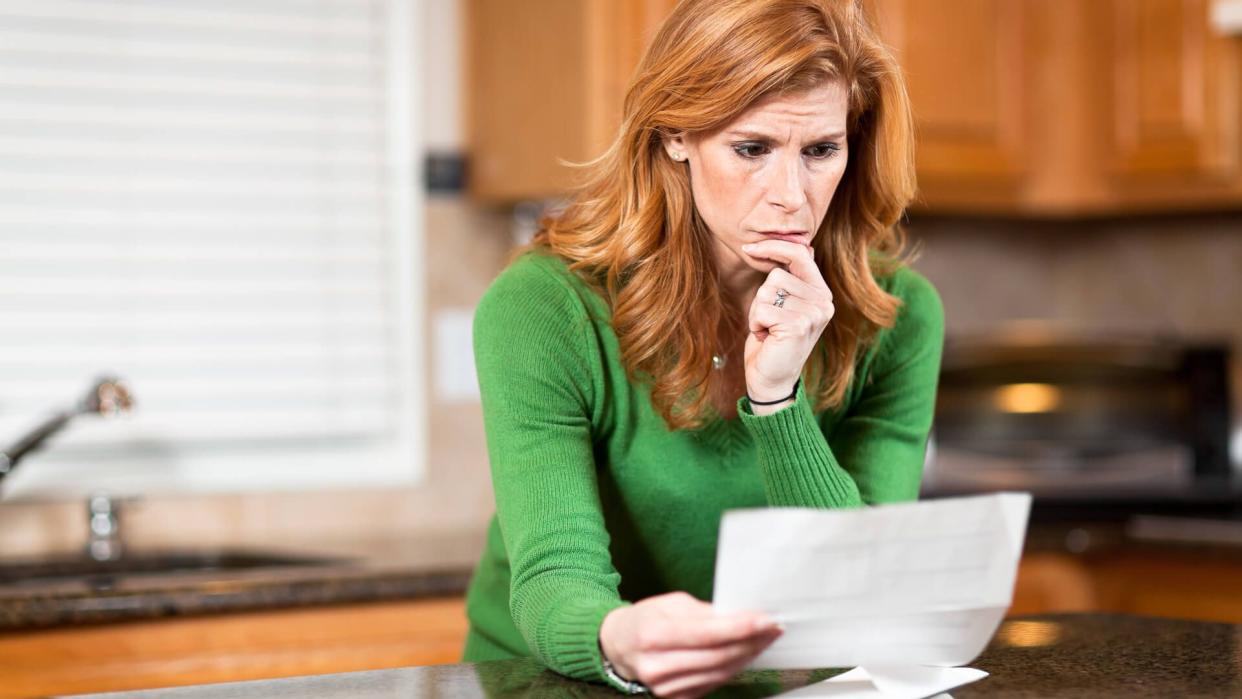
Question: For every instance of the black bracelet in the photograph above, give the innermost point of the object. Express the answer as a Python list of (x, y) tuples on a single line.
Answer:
[(774, 402)]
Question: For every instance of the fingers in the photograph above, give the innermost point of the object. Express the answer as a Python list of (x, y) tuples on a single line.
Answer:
[(782, 279), (665, 665), (714, 630), (791, 321), (813, 303), (703, 677), (800, 259)]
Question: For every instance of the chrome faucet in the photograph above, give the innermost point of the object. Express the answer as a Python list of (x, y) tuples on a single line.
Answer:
[(104, 543), (108, 396)]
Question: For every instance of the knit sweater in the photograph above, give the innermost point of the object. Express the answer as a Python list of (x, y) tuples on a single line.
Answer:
[(599, 504)]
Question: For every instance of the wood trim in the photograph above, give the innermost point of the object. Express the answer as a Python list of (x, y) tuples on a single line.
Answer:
[(232, 647)]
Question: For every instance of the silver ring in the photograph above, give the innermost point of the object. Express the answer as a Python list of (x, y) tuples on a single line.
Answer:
[(780, 298)]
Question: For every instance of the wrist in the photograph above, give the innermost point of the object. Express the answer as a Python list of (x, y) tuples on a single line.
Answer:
[(618, 678), (768, 394), (766, 401)]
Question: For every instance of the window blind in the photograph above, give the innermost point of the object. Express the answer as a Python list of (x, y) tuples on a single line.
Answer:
[(212, 200)]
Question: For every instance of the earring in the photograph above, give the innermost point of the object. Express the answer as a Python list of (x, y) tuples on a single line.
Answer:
[(678, 156)]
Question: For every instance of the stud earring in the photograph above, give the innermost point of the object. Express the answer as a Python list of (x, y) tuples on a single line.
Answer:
[(678, 156)]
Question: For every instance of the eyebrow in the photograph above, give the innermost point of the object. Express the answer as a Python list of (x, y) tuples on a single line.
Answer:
[(764, 138)]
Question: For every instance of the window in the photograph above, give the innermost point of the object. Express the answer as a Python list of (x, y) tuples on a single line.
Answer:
[(212, 199)]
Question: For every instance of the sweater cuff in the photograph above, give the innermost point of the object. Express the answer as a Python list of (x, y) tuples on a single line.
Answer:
[(793, 424), (574, 643), (797, 465)]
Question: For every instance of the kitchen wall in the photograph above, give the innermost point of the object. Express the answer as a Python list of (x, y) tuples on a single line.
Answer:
[(1180, 273)]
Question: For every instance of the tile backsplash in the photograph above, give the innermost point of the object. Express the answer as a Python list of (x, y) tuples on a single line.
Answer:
[(1179, 275)]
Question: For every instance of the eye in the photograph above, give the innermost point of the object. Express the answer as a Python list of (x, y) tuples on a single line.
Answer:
[(750, 151), (823, 151)]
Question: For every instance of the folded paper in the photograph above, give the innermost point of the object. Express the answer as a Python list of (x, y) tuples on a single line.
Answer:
[(899, 590)]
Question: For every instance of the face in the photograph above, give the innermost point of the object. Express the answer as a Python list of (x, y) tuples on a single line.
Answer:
[(774, 168)]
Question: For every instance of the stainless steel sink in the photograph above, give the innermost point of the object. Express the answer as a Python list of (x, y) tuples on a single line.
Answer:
[(82, 568)]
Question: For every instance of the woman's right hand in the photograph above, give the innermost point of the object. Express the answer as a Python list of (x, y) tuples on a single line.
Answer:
[(679, 646)]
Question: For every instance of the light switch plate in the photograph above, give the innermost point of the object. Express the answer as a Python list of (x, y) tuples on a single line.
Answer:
[(454, 377)]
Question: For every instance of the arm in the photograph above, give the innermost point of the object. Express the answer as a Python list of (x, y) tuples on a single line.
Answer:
[(537, 382), (877, 450)]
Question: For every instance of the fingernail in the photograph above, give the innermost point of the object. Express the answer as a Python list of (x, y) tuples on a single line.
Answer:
[(748, 246)]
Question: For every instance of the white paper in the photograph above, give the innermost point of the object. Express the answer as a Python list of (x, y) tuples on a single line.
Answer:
[(890, 683), (891, 588)]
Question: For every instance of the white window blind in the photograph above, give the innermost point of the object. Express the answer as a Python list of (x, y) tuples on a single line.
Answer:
[(211, 199)]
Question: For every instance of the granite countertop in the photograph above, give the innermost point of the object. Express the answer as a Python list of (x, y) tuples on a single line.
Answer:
[(1053, 655), (311, 574)]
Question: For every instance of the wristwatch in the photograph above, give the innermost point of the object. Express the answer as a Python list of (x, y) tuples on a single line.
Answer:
[(619, 682)]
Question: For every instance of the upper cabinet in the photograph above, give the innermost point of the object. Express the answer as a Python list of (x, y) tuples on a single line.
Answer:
[(1172, 101), (1022, 107), (964, 62), (1069, 107), (546, 82)]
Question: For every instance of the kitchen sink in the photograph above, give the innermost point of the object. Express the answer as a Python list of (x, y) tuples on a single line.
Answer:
[(82, 568)]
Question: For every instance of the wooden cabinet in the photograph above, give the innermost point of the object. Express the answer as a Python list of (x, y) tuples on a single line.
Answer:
[(546, 82), (965, 65), (1171, 111), (1028, 107), (231, 647), (1069, 107), (1178, 584)]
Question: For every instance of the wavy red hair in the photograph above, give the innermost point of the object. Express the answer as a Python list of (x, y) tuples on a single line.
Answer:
[(630, 228)]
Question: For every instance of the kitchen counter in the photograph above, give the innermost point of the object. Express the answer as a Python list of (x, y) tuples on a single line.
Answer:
[(1203, 523), (414, 567), (1057, 655)]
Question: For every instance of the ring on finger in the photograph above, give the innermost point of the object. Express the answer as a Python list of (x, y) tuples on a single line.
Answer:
[(780, 298)]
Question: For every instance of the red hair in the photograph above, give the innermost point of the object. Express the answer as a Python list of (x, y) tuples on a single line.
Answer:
[(630, 228)]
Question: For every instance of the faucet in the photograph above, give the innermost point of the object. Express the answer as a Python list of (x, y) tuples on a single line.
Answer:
[(104, 543), (108, 396)]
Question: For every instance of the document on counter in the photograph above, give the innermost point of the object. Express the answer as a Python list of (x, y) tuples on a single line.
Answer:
[(905, 593)]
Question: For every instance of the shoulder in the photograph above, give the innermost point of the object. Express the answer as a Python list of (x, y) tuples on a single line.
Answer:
[(921, 304), (536, 284), (535, 306), (531, 325), (918, 330), (535, 271)]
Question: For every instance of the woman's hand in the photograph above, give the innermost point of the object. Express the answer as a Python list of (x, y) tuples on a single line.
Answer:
[(679, 646), (782, 339)]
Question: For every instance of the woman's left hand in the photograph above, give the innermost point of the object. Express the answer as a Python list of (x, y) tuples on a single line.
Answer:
[(780, 340)]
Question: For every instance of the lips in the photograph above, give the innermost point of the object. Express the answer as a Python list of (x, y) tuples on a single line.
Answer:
[(799, 237)]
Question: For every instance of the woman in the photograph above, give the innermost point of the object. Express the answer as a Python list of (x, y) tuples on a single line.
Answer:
[(718, 319)]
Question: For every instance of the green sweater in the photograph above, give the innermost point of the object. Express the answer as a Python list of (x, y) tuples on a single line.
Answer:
[(599, 504)]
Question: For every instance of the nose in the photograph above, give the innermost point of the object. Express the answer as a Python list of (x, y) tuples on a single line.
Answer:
[(785, 186)]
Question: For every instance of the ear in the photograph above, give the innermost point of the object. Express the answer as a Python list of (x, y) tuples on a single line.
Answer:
[(675, 145)]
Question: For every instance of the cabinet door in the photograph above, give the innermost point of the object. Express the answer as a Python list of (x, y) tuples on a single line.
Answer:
[(620, 31), (965, 70), (1174, 108), (528, 70), (547, 83)]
